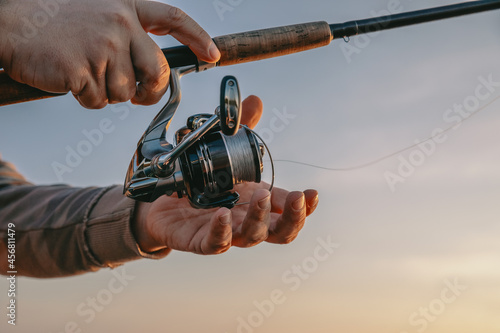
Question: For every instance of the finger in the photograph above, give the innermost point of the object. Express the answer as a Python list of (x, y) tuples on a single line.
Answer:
[(219, 237), (312, 200), (255, 226), (278, 200), (47, 78), (93, 93), (151, 70), (288, 225), (162, 19), (120, 78), (251, 111)]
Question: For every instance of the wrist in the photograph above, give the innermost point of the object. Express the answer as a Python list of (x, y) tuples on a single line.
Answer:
[(141, 229)]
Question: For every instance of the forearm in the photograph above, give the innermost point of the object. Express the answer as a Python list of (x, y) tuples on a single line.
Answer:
[(62, 231), (6, 16)]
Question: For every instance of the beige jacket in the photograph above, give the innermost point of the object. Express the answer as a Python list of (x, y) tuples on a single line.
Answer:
[(62, 230)]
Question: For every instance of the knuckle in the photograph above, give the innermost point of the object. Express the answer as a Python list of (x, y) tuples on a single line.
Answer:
[(298, 224), (74, 83), (97, 103), (97, 69), (91, 99), (296, 220), (108, 42), (122, 95), (256, 238), (93, 103), (176, 15), (288, 239), (220, 235), (220, 248), (159, 75), (203, 35), (156, 78), (131, 92), (120, 98), (122, 17), (220, 240), (101, 105)]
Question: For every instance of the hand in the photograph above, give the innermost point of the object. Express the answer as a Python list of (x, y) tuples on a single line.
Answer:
[(275, 217), (96, 49)]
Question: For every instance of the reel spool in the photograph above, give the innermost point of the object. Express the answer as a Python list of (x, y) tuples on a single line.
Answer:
[(211, 155), (216, 163)]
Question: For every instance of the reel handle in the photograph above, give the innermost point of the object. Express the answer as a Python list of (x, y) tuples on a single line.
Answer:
[(230, 106)]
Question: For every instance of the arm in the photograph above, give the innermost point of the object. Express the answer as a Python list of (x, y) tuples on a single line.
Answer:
[(61, 230), (101, 52)]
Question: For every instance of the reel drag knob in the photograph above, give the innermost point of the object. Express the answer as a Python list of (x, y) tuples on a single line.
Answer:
[(230, 106)]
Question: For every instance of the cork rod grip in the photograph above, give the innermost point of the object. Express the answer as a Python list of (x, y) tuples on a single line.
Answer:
[(269, 43)]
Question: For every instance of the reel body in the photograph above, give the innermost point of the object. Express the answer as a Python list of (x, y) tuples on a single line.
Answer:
[(210, 155)]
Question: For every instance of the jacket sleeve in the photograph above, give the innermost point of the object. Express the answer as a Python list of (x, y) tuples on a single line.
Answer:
[(61, 230)]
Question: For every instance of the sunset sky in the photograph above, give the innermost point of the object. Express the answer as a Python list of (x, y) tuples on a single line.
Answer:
[(409, 244)]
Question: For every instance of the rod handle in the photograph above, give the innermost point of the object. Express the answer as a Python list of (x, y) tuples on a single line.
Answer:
[(258, 44), (274, 42), (235, 49)]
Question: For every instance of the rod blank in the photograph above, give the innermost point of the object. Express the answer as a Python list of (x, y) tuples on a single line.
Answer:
[(360, 27)]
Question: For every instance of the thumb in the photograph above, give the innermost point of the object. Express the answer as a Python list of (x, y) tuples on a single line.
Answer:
[(163, 19), (251, 112)]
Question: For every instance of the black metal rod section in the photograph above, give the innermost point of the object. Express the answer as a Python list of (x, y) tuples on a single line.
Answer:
[(353, 28), (180, 56)]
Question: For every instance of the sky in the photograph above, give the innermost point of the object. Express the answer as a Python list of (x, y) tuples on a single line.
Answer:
[(407, 244)]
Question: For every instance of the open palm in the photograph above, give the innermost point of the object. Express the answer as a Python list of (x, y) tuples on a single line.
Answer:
[(275, 217)]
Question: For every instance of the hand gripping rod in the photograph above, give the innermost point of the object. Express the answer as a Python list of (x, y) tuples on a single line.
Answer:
[(274, 42)]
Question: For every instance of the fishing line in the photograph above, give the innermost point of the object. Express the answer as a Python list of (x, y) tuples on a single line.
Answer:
[(378, 160), (271, 186)]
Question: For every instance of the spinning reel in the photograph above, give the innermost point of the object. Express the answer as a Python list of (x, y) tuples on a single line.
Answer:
[(211, 154)]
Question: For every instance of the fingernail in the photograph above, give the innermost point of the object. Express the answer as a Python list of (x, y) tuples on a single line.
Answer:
[(265, 203), (299, 203), (214, 51), (225, 219)]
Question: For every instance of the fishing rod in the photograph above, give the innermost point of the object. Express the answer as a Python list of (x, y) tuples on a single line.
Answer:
[(269, 43), (213, 153)]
